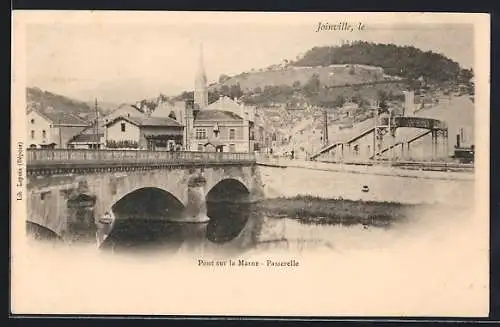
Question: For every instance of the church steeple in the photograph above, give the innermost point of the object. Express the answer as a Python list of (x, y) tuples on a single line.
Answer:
[(200, 84)]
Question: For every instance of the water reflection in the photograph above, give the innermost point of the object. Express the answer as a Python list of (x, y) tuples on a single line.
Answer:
[(235, 228), (143, 234), (40, 233), (231, 226), (227, 220)]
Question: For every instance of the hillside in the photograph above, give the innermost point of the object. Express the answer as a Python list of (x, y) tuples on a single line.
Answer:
[(45, 100), (325, 76), (332, 75), (404, 61)]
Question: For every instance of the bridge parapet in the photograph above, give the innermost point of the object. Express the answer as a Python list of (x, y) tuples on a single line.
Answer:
[(70, 158)]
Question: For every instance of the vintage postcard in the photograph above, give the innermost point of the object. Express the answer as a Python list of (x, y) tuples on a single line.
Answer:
[(257, 164)]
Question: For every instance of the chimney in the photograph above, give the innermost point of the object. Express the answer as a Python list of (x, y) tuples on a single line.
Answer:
[(409, 105)]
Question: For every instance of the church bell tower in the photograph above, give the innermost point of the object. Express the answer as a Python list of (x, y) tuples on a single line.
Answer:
[(200, 85)]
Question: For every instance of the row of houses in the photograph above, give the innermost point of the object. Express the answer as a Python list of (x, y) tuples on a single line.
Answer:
[(225, 125)]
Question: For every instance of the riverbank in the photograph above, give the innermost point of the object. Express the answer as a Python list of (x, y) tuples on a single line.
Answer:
[(372, 169), (315, 210), (293, 181)]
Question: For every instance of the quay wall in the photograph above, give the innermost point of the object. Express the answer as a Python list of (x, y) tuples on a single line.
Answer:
[(385, 184)]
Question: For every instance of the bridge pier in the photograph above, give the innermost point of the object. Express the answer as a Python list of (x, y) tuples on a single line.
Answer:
[(196, 208)]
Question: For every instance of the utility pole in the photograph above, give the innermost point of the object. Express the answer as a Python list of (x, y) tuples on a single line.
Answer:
[(325, 128), (375, 119), (97, 126), (60, 134)]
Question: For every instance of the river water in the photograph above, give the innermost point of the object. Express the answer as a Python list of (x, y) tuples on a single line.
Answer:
[(237, 229)]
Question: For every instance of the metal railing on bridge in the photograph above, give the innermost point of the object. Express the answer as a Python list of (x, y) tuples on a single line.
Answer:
[(48, 157)]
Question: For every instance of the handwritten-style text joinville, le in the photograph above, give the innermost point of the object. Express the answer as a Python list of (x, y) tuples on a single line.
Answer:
[(339, 27)]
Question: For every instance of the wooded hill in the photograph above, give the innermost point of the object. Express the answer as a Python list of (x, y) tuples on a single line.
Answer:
[(326, 76)]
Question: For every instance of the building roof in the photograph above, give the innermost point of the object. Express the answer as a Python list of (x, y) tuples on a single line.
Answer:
[(86, 138), (61, 117), (166, 107), (217, 115), (225, 103), (127, 106), (147, 121)]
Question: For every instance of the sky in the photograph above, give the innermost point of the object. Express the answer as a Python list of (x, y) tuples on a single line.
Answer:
[(135, 57)]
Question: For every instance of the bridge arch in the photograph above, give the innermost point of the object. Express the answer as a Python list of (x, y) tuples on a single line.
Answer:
[(227, 209), (227, 189), (41, 232), (151, 202)]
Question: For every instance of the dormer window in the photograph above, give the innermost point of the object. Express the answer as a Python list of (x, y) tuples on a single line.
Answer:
[(123, 127), (32, 120)]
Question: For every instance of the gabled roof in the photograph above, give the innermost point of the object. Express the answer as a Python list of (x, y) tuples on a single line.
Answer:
[(86, 138), (225, 103), (126, 106), (147, 121), (166, 107), (61, 117), (217, 115)]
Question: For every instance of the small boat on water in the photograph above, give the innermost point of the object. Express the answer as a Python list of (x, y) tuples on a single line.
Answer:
[(104, 227), (107, 218)]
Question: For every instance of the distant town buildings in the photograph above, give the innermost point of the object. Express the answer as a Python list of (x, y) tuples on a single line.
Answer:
[(149, 133), (52, 129), (226, 125)]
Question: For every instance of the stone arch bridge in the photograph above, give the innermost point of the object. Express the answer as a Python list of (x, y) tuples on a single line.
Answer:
[(69, 191)]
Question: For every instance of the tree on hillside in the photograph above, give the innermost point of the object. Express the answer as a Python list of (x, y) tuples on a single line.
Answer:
[(235, 91), (465, 75), (404, 61), (213, 96), (185, 96), (312, 86), (224, 90), (339, 101), (382, 98), (223, 78)]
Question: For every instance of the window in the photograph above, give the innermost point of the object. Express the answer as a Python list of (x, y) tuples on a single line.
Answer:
[(44, 134), (201, 133), (232, 134), (172, 115), (462, 135), (123, 127), (32, 134), (252, 135), (232, 148), (200, 147), (32, 120)]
